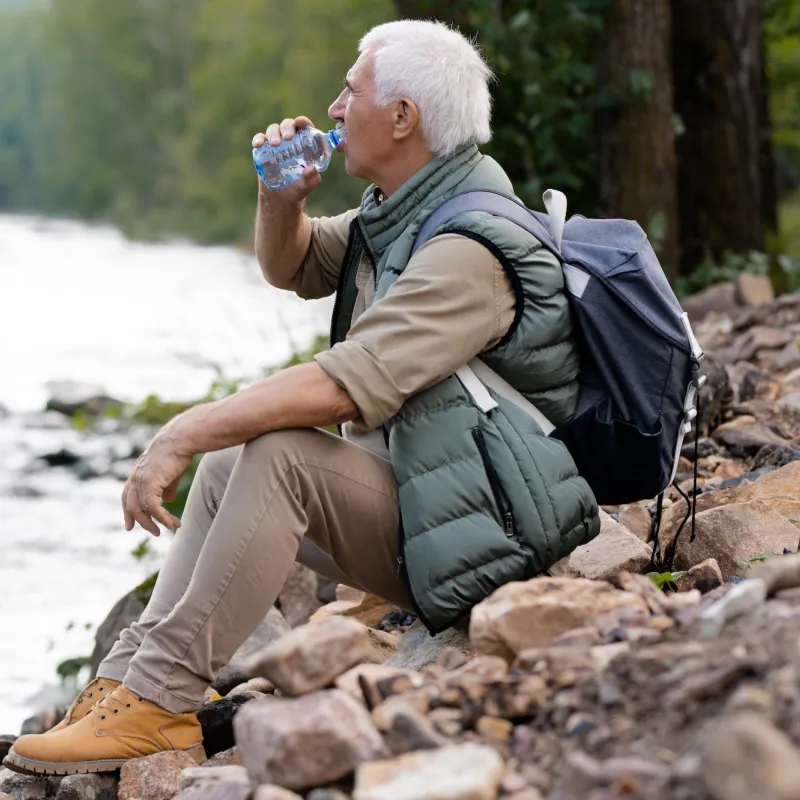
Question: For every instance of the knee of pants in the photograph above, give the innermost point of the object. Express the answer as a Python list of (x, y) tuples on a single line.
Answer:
[(282, 449), (215, 468)]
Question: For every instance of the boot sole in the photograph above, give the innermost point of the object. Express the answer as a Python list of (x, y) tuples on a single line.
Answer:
[(28, 766)]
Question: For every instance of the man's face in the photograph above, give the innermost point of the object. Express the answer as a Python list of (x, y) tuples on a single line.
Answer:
[(369, 127)]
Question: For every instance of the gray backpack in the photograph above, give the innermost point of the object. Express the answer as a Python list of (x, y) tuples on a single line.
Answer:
[(641, 366)]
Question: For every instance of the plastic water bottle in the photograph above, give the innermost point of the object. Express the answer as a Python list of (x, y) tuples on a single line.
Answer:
[(279, 166)]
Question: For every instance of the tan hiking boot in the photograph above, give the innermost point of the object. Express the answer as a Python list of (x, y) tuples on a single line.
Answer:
[(120, 727), (85, 701)]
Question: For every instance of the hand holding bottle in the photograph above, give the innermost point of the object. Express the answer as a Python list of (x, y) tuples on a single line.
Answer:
[(286, 131)]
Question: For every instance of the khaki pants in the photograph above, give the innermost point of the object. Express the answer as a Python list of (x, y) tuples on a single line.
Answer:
[(252, 511)]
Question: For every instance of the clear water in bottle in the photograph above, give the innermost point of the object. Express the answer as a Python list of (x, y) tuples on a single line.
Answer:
[(279, 166)]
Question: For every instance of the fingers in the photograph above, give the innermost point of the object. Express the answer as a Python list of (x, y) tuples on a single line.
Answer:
[(140, 515), (165, 518), (310, 179), (129, 521), (277, 132)]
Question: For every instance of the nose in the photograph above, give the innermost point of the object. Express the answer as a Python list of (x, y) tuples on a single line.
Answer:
[(336, 110)]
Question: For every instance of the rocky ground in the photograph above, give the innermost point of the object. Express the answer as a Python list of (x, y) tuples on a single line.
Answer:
[(591, 683)]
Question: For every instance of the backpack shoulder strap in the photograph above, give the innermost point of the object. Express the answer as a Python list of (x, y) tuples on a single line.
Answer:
[(501, 205)]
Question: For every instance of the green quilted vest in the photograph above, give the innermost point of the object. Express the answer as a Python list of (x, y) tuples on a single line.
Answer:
[(485, 498)]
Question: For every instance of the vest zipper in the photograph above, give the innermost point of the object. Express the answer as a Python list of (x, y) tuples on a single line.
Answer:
[(500, 497)]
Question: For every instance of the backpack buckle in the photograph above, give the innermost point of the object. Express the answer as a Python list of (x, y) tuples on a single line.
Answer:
[(698, 371)]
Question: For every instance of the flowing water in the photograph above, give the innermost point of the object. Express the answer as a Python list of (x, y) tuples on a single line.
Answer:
[(80, 302)]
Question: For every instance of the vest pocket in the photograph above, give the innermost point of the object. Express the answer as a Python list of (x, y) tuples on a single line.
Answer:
[(501, 500)]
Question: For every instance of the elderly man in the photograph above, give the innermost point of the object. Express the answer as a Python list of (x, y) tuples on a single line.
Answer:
[(428, 500)]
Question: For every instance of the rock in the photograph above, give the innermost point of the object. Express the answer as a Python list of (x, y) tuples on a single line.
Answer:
[(779, 489), (155, 777), (27, 787), (87, 787), (615, 549), (326, 590), (219, 790), (416, 648), (216, 720), (721, 298), (733, 535), (44, 719), (298, 598), (327, 794), (704, 577), (753, 290), (777, 455), (747, 757), (308, 741), (367, 608), (747, 440), (716, 395), (778, 573), (5, 745), (457, 772), (70, 397), (637, 519), (367, 676), (532, 613), (125, 611), (224, 758), (275, 793), (409, 730), (705, 447), (759, 387), (745, 599), (758, 338), (237, 671), (258, 685), (788, 358), (195, 777), (311, 657)]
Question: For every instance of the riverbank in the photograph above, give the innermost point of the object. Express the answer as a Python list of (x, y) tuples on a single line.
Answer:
[(82, 303)]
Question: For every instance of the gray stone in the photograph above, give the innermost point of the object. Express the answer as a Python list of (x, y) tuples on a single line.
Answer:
[(306, 742), (747, 440), (416, 648), (88, 787), (5, 745), (312, 656), (747, 758), (202, 776), (70, 397), (745, 599), (238, 670), (155, 777), (327, 794), (27, 787), (722, 298), (298, 598), (275, 793)]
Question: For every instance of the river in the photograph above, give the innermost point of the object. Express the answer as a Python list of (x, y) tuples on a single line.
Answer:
[(80, 302)]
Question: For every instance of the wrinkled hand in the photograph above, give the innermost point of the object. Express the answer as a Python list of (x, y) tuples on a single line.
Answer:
[(286, 130), (154, 479)]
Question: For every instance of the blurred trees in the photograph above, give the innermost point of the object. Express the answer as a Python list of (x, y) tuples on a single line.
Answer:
[(142, 112)]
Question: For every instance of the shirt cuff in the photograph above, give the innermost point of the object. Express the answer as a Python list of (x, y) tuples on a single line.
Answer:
[(365, 379)]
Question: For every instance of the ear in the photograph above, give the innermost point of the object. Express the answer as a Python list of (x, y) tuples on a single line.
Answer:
[(405, 118)]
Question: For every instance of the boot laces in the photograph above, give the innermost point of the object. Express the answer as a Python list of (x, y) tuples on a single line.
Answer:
[(112, 704), (87, 694)]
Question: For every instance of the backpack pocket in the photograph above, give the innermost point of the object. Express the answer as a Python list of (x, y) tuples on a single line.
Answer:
[(620, 462)]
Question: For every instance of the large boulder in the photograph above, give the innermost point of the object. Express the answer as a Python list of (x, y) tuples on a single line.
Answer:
[(312, 656), (532, 613), (156, 777), (779, 489), (734, 535), (307, 741), (614, 550), (362, 606), (72, 397)]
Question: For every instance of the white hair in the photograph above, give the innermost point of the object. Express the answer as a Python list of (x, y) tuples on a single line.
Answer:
[(442, 72)]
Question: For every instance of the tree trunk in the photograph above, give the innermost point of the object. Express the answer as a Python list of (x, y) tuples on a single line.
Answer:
[(637, 178), (726, 183)]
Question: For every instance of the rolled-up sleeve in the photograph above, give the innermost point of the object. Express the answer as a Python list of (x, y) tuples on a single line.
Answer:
[(440, 313), (319, 272)]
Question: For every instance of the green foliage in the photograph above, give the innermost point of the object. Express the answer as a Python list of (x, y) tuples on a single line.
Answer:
[(666, 581), (69, 670), (710, 272), (142, 550), (142, 112), (747, 562)]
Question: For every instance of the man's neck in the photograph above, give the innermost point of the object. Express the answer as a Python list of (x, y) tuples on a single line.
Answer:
[(396, 173)]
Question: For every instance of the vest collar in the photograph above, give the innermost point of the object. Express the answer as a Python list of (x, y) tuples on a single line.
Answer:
[(383, 219)]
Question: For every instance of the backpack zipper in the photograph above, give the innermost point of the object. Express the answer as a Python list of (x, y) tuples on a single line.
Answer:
[(500, 496)]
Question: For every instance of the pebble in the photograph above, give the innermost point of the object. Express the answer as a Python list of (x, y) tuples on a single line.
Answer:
[(746, 599)]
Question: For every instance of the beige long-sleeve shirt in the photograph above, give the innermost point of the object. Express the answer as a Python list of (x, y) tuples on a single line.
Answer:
[(452, 302)]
